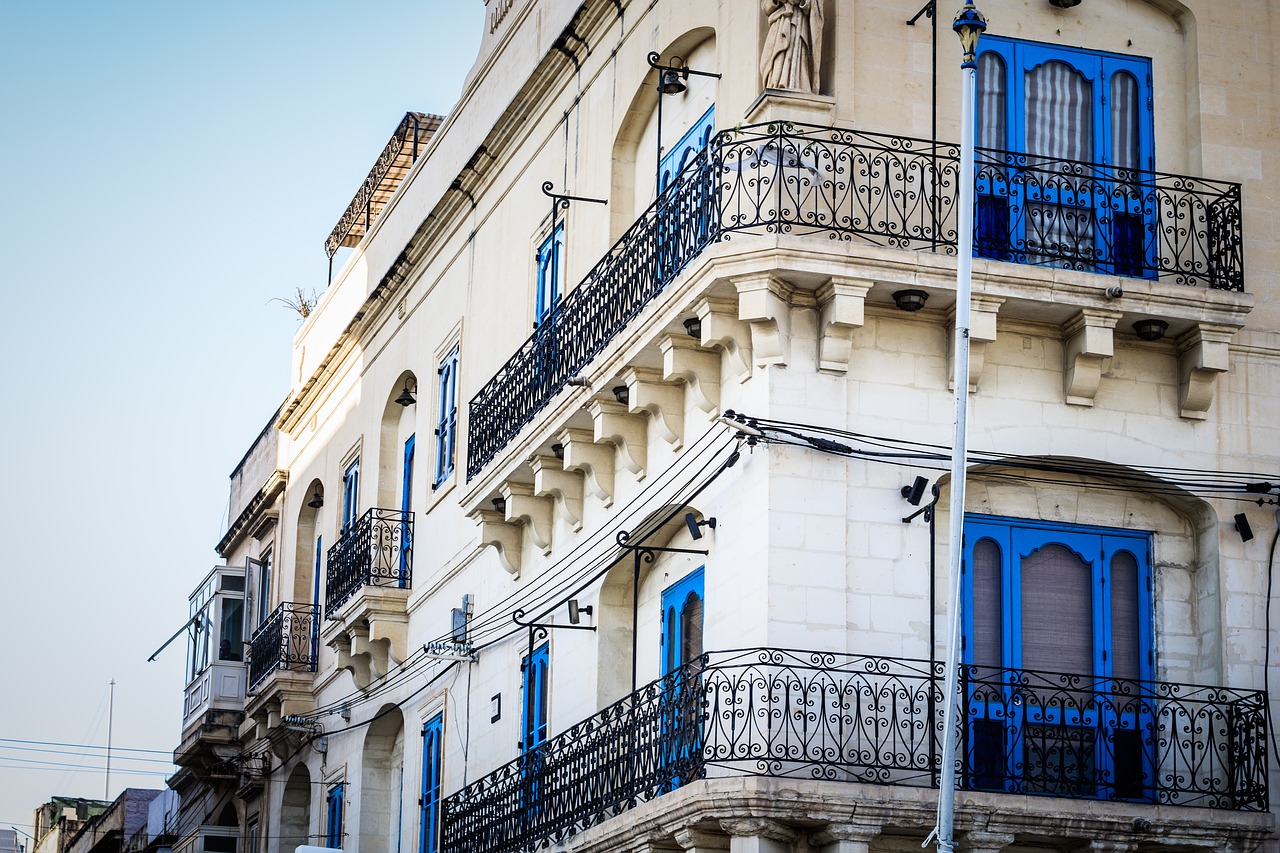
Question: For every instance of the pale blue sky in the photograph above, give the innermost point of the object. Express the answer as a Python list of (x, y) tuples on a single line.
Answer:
[(166, 168)]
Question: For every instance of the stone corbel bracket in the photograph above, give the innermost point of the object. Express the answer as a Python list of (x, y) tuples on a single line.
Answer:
[(594, 461), (983, 311), (496, 531), (722, 330), (841, 304), (534, 512), (564, 487), (698, 368), (646, 392), (357, 663), (613, 425), (1203, 353), (1089, 345), (764, 303)]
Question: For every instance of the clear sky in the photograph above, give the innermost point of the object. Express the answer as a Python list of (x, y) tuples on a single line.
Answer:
[(166, 169)]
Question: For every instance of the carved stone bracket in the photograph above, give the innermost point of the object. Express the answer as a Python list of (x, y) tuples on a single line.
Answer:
[(594, 461), (1100, 846), (722, 329), (495, 530), (698, 368), (759, 835), (841, 303), (846, 837), (1203, 353), (764, 303), (613, 425), (981, 841), (664, 402), (564, 487), (982, 331), (700, 841), (1089, 346), (535, 512)]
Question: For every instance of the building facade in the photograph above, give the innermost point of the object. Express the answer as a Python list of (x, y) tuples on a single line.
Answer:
[(607, 509)]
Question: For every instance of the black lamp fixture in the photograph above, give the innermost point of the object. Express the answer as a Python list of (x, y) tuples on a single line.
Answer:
[(673, 79), (910, 300), (622, 394), (1150, 330), (695, 526), (576, 611), (317, 499), (557, 450), (1064, 4), (915, 492), (693, 327), (500, 504), (1243, 527), (406, 398)]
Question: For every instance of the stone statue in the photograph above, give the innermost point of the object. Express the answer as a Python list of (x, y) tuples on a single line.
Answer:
[(792, 56)]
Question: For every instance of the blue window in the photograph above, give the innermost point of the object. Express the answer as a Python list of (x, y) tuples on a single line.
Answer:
[(315, 579), (533, 718), (684, 213), (333, 817), (350, 495), (682, 622), (406, 507), (447, 417), (690, 145), (1057, 630), (550, 273), (432, 740), (263, 582), (1054, 108)]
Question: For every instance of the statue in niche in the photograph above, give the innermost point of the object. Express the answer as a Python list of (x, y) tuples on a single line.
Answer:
[(792, 53)]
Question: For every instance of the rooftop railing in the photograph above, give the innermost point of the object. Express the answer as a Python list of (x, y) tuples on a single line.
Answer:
[(892, 191), (835, 717)]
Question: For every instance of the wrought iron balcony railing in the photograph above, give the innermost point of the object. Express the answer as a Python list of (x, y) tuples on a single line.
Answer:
[(881, 190), (817, 715), (288, 640), (376, 551)]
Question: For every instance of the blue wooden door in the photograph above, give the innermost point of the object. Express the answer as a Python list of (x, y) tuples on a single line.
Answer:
[(432, 751)]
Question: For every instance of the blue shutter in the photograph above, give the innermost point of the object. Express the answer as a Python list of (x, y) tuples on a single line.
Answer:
[(333, 817), (533, 719), (350, 495), (691, 143), (681, 602), (432, 739), (447, 417)]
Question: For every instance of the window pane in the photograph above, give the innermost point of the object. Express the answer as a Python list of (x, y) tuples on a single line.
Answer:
[(1057, 612), (231, 635), (1126, 651), (1124, 121), (991, 101), (988, 620), (1059, 112), (691, 628)]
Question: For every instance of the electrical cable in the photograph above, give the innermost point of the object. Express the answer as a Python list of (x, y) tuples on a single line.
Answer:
[(1266, 655), (114, 749)]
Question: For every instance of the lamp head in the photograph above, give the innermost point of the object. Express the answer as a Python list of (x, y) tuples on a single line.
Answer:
[(317, 499), (1150, 330), (406, 398), (672, 82), (969, 24)]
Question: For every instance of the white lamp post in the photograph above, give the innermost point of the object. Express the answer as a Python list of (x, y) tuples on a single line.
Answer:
[(969, 24)]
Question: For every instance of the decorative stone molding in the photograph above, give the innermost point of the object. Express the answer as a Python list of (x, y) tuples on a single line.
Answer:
[(841, 304), (722, 329), (1087, 351), (698, 368), (564, 487), (700, 841), (535, 512), (646, 392), (1203, 353), (983, 311), (758, 835), (785, 105), (594, 461), (980, 841), (846, 837), (496, 531), (370, 633), (764, 303), (613, 425)]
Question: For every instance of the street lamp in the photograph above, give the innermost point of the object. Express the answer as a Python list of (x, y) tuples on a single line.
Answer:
[(673, 79), (968, 25)]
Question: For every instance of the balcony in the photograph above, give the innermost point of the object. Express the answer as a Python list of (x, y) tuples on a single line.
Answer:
[(287, 641), (376, 551), (896, 192), (828, 717)]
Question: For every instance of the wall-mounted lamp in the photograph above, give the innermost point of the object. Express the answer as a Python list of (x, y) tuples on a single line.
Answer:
[(500, 504), (1064, 4), (695, 526), (576, 610), (1150, 330), (1243, 527), (910, 300), (693, 327), (557, 450), (915, 492), (406, 398), (622, 394), (317, 499), (673, 79), (1114, 292)]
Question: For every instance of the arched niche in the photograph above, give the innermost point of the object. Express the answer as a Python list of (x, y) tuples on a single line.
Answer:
[(228, 816), (398, 423), (614, 616), (382, 782), (1185, 530), (307, 562), (635, 153), (295, 813)]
